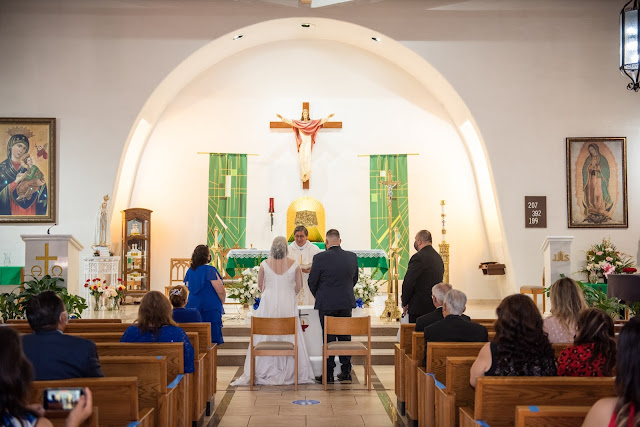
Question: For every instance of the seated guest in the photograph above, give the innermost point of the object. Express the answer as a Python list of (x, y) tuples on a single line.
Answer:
[(520, 348), (623, 410), (567, 300), (178, 297), (455, 327), (154, 324), (593, 353), (437, 296), (16, 375), (54, 355)]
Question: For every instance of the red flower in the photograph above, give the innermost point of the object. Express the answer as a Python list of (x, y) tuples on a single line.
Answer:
[(86, 285), (119, 279), (629, 270)]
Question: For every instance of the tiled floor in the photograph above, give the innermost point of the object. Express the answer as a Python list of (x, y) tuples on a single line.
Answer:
[(343, 404)]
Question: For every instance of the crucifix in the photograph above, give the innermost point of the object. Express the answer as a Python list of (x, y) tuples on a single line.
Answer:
[(305, 131), (391, 310)]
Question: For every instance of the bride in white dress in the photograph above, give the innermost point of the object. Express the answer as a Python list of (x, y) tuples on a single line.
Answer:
[(279, 279)]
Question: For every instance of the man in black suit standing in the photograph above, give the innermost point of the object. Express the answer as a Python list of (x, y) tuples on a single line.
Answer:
[(425, 270), (54, 355), (455, 327), (333, 275), (437, 297)]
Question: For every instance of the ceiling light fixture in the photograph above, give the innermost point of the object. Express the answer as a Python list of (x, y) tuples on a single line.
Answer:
[(376, 39), (238, 37), (629, 48), (305, 25)]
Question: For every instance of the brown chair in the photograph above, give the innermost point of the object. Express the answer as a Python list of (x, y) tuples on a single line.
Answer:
[(177, 270), (274, 326), (347, 326), (535, 291)]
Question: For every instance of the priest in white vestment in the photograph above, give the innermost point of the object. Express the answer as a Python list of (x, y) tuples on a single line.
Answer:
[(303, 251)]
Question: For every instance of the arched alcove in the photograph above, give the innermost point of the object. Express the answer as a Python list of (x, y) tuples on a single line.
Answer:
[(434, 115)]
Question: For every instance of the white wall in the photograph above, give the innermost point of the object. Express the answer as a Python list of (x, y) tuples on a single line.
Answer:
[(532, 73), (383, 110)]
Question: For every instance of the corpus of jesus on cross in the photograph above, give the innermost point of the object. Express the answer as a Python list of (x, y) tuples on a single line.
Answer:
[(305, 131)]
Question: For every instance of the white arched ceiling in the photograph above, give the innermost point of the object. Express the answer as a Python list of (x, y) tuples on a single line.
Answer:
[(330, 30)]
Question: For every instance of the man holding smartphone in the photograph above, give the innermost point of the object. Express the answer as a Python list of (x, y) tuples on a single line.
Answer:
[(54, 355)]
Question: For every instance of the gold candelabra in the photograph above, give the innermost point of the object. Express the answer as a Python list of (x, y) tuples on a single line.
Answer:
[(216, 250), (444, 246), (391, 309)]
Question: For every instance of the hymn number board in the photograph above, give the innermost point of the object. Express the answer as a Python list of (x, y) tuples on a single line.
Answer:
[(535, 211)]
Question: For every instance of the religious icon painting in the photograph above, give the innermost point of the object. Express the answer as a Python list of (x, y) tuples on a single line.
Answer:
[(597, 183), (27, 170)]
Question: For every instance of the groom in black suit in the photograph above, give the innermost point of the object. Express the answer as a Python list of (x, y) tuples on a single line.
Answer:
[(333, 275)]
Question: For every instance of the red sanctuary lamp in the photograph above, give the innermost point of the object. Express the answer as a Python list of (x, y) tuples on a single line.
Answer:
[(271, 211)]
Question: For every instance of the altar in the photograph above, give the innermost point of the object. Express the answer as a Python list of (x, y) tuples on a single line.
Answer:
[(247, 258)]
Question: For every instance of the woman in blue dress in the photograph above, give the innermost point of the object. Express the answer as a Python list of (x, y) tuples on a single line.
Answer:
[(154, 324), (206, 291), (178, 297)]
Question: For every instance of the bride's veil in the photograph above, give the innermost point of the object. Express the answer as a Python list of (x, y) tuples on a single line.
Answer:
[(279, 263)]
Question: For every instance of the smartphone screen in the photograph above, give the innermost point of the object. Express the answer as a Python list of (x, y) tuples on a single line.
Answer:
[(62, 398)]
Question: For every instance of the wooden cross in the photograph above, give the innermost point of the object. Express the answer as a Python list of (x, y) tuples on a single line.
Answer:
[(282, 125), (46, 258)]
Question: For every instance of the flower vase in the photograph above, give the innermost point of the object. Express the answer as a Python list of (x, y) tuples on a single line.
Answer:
[(116, 304), (593, 277), (96, 302)]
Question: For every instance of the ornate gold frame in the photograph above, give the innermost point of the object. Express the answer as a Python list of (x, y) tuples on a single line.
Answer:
[(608, 144), (46, 136)]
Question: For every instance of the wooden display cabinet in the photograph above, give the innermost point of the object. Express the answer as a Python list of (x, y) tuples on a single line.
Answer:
[(136, 251)]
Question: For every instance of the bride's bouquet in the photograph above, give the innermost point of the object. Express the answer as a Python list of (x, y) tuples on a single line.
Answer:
[(247, 292)]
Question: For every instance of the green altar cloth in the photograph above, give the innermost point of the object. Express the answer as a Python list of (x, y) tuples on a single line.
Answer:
[(598, 286), (247, 258), (10, 276)]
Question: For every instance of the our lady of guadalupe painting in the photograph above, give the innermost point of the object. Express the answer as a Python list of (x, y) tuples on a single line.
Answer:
[(597, 182), (27, 170)]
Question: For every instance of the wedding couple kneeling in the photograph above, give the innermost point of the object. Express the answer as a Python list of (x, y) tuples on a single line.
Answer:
[(333, 275)]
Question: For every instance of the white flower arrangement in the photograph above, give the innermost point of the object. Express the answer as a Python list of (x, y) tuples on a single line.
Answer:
[(247, 291), (366, 288)]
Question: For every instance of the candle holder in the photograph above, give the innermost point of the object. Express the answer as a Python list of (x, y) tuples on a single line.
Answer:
[(271, 211), (444, 246)]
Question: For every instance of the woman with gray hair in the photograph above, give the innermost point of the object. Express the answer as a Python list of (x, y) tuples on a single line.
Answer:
[(279, 280)]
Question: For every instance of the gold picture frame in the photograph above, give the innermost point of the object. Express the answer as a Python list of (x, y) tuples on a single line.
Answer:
[(597, 182), (28, 170)]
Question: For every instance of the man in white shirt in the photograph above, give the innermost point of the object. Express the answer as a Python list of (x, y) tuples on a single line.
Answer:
[(303, 251)]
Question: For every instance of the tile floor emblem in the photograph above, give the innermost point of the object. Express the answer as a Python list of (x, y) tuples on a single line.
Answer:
[(306, 402)]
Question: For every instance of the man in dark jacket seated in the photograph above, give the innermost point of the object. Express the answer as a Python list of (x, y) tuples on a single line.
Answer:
[(54, 355), (437, 296), (454, 327)]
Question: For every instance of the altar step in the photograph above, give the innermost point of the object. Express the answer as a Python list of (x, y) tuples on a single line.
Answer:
[(234, 349)]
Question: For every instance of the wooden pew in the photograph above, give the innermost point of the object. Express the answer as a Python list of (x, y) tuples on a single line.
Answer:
[(557, 416), (74, 320), (199, 385), (412, 361), (457, 391), (151, 372), (176, 378), (435, 370), (116, 399), (406, 329), (496, 398), (211, 350), (59, 418)]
